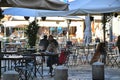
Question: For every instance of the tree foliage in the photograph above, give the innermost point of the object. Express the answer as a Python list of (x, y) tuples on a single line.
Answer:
[(31, 33), (1, 15)]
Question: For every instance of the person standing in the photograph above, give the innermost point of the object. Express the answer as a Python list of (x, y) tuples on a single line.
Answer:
[(44, 43), (52, 40), (52, 48)]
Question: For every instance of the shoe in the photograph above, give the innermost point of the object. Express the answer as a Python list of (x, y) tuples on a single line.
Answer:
[(51, 75)]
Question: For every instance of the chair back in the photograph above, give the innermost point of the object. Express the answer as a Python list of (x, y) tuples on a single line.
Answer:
[(116, 51)]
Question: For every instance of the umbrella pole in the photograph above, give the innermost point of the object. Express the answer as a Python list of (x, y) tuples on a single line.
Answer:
[(4, 31), (104, 24), (68, 22), (104, 32)]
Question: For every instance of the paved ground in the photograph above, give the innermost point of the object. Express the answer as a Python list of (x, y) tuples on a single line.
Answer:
[(84, 72)]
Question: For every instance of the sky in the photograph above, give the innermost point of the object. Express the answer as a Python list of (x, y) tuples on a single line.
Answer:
[(67, 0)]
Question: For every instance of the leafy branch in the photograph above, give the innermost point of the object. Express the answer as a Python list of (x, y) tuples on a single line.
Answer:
[(31, 33)]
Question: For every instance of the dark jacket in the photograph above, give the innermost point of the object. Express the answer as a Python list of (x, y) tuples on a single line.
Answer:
[(45, 43)]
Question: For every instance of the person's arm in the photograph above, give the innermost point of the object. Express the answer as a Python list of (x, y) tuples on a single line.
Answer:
[(40, 43), (55, 43)]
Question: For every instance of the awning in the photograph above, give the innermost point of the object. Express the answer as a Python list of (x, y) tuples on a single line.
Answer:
[(35, 4)]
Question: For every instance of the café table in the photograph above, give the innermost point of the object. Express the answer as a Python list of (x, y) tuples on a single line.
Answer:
[(13, 43), (9, 52), (12, 46), (14, 58)]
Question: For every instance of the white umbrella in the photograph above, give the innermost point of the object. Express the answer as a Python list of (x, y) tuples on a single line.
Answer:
[(87, 32)]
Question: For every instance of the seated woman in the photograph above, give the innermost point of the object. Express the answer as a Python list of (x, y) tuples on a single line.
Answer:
[(101, 50)]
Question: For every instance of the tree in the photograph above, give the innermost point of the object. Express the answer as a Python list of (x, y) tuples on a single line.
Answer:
[(31, 33), (1, 15)]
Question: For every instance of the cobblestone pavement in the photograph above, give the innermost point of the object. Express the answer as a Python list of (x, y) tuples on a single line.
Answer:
[(84, 72)]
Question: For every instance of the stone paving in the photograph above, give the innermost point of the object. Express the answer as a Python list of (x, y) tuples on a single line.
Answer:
[(84, 72)]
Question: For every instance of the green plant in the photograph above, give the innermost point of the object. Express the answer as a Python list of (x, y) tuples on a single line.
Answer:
[(31, 33), (1, 15)]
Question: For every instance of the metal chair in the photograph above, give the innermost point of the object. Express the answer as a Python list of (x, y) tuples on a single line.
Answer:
[(80, 51), (39, 65), (25, 68), (112, 57), (89, 51)]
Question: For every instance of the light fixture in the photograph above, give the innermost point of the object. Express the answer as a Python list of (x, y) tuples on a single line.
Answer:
[(91, 18), (26, 17), (43, 18), (68, 21), (115, 14), (57, 22)]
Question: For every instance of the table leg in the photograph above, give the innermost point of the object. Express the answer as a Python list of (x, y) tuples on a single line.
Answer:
[(26, 70), (42, 69), (0, 69), (35, 67)]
